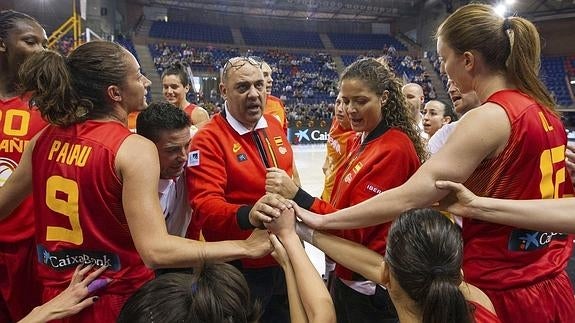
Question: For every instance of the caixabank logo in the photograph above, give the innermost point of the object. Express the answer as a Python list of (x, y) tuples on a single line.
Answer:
[(309, 136), (528, 240)]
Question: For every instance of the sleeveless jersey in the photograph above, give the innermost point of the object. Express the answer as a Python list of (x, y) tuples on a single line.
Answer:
[(482, 314), (18, 125), (79, 212), (338, 147), (532, 166), (275, 107)]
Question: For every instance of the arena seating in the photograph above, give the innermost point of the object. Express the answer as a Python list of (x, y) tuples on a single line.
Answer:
[(365, 42), (275, 38), (192, 32), (553, 73)]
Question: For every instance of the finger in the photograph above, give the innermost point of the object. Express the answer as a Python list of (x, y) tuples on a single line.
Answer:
[(93, 275), (261, 217), (97, 284), (275, 241), (80, 273), (275, 202), (272, 169), (448, 185)]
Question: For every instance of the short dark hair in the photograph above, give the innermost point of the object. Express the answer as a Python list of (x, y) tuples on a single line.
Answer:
[(8, 19), (215, 293), (161, 116), (178, 69)]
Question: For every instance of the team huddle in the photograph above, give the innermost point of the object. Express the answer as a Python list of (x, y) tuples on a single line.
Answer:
[(115, 211)]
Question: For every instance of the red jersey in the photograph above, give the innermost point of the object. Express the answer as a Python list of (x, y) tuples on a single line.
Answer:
[(532, 166), (18, 124), (275, 107), (190, 109), (338, 147), (481, 314), (226, 176), (382, 162), (79, 211)]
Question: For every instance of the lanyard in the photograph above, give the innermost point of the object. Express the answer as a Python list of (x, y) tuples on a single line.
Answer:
[(262, 151)]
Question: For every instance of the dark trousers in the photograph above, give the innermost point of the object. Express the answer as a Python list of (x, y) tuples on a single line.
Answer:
[(268, 286), (352, 306)]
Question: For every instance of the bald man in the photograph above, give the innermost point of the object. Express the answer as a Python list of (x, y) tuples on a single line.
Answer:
[(414, 94)]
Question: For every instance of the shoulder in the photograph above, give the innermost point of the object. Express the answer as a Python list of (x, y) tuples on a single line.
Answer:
[(477, 296)]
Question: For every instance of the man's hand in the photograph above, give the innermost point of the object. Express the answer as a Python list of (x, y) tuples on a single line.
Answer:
[(258, 244), (267, 208), (279, 182)]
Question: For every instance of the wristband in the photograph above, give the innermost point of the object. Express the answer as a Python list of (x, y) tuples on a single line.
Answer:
[(304, 232)]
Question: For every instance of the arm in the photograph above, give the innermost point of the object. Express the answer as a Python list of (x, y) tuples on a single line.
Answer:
[(558, 213), (157, 248), (481, 134), (570, 160), (207, 183), (314, 296), (349, 254), (296, 178), (296, 308), (200, 116), (72, 300), (19, 184)]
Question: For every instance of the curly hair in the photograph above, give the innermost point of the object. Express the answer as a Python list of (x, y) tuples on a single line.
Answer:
[(379, 77)]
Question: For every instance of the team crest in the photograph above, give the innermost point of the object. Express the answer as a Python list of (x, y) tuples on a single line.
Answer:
[(194, 158), (242, 158), (282, 150), (279, 141)]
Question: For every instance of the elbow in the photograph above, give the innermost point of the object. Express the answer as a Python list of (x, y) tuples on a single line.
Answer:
[(155, 257), (152, 259)]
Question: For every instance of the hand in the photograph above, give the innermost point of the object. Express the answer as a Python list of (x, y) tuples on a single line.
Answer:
[(570, 160), (284, 224), (279, 182), (279, 253), (461, 201), (313, 220), (73, 299), (267, 208), (258, 244)]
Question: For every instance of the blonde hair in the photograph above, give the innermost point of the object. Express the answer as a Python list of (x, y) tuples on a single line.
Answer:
[(509, 45)]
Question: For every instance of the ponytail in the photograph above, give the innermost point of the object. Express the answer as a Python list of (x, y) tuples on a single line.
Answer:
[(46, 76), (444, 302), (510, 46), (524, 60)]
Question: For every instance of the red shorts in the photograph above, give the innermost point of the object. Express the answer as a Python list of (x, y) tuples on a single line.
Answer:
[(106, 309), (548, 301), (20, 290)]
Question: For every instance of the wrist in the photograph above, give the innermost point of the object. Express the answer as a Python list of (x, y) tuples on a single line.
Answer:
[(304, 232)]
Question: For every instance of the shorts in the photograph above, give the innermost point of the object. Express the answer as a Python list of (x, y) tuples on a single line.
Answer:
[(548, 301), (20, 290)]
